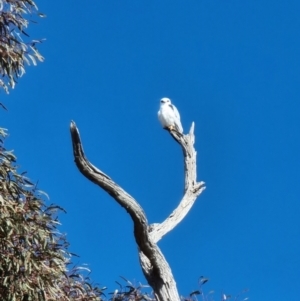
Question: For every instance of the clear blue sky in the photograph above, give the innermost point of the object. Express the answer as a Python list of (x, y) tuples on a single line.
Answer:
[(230, 66)]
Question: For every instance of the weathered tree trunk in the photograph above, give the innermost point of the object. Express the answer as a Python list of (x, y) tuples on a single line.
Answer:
[(154, 265)]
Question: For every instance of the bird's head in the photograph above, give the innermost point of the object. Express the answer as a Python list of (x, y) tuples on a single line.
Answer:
[(165, 100)]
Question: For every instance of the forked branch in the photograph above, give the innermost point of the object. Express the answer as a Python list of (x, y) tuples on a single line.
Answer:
[(154, 265)]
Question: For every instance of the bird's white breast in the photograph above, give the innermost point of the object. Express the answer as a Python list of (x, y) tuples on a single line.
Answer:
[(166, 116)]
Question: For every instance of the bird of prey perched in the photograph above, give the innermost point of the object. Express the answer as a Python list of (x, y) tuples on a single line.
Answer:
[(169, 116)]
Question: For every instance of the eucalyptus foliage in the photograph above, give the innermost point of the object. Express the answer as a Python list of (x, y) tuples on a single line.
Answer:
[(16, 47), (34, 256)]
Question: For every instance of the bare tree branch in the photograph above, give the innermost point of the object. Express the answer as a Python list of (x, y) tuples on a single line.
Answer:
[(192, 188), (155, 267)]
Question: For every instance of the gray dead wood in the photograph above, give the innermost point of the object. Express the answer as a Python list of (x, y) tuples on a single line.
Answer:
[(154, 265)]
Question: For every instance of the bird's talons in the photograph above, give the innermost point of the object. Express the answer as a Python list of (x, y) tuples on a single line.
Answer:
[(169, 128)]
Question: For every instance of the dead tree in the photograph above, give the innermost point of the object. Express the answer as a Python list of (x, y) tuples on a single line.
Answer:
[(154, 265)]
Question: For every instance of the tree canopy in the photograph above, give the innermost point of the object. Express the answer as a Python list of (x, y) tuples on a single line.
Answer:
[(35, 263), (16, 47)]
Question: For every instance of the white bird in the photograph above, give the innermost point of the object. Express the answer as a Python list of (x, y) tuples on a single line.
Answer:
[(169, 116)]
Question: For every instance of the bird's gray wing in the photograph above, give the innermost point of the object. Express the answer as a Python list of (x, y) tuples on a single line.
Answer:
[(176, 113), (177, 118)]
